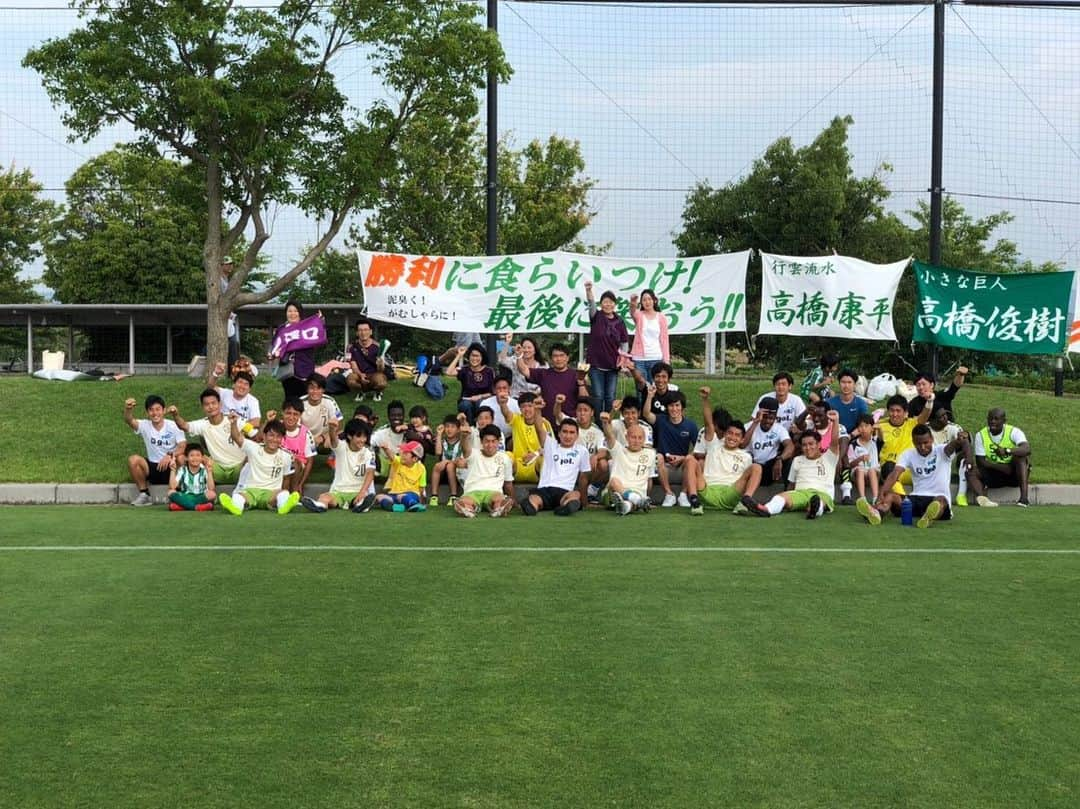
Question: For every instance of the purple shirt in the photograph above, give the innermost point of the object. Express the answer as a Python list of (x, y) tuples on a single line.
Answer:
[(365, 357), (473, 383), (605, 337), (552, 383)]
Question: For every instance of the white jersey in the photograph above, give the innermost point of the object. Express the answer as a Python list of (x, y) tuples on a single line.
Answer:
[(351, 468), (633, 469), (159, 443), (217, 438), (488, 473), (498, 420), (863, 456), (946, 435), (788, 410), (818, 474), (317, 417), (618, 426), (766, 445), (723, 466), (474, 441), (930, 473), (266, 470), (562, 465), (246, 408), (385, 436), (592, 437)]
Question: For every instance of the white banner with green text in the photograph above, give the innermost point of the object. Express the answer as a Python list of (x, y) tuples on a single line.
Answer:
[(545, 292), (831, 296)]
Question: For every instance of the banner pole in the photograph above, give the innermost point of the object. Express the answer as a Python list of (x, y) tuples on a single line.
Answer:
[(492, 157), (936, 148)]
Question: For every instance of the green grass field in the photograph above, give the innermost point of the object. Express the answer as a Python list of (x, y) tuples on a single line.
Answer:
[(73, 432), (428, 661)]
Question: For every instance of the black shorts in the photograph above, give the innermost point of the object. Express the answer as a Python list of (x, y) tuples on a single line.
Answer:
[(550, 496), (920, 502), (157, 477), (767, 478), (993, 479)]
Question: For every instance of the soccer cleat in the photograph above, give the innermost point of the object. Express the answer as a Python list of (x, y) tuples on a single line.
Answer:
[(312, 505), (931, 514), (451, 500), (364, 506), (417, 507), (226, 503), (812, 508), (398, 508), (961, 500), (697, 510), (504, 507), (289, 504), (377, 397), (464, 510), (669, 500), (1023, 502), (749, 505), (985, 502), (433, 501), (623, 507), (359, 397), (175, 507), (740, 510), (847, 501), (143, 499), (645, 506), (683, 500), (760, 510), (868, 512), (204, 507), (568, 509), (527, 507)]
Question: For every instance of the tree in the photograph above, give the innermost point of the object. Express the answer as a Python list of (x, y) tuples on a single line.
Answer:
[(24, 223), (542, 197), (247, 95), (131, 232)]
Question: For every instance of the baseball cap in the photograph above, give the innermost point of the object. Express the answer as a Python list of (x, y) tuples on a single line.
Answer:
[(415, 447)]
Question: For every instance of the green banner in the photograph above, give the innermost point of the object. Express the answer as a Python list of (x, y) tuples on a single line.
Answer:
[(1021, 313)]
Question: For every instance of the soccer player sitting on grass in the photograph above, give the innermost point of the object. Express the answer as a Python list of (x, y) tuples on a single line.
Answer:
[(564, 477), (298, 442), (266, 465), (523, 429), (895, 435), (593, 438), (813, 475), (489, 482), (728, 477), (930, 465), (768, 442), (239, 398), (226, 457), (632, 468), (407, 480), (354, 473), (163, 440), (448, 450), (1002, 455), (191, 486)]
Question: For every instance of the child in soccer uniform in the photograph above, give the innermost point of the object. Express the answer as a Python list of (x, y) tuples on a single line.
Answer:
[(632, 468), (930, 466), (266, 465), (353, 486), (298, 441), (448, 449), (862, 457), (216, 433), (163, 440), (525, 449), (191, 485), (813, 475), (319, 412), (564, 476), (728, 476), (407, 480), (489, 483)]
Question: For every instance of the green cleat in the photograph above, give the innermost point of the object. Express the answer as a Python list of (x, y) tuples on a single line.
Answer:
[(931, 514), (226, 503), (868, 512), (961, 500), (289, 504)]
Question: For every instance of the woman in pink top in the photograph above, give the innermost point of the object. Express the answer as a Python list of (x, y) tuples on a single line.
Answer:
[(650, 334)]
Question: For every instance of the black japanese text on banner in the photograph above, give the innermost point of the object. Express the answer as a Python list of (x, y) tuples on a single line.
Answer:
[(831, 296), (545, 292)]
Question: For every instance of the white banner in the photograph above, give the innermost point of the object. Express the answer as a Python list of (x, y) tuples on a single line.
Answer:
[(545, 292), (831, 296)]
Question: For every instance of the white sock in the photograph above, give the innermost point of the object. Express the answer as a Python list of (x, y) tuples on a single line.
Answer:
[(281, 499), (776, 505), (633, 497), (961, 478), (845, 488), (821, 508), (239, 501)]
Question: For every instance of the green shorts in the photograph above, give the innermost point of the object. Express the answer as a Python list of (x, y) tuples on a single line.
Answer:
[(482, 499), (800, 499), (260, 498), (343, 499), (227, 474), (721, 497)]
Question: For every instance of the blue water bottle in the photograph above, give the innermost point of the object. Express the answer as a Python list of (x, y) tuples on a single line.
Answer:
[(905, 511)]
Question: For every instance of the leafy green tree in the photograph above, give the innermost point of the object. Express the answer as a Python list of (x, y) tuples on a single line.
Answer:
[(24, 222), (249, 97), (131, 232)]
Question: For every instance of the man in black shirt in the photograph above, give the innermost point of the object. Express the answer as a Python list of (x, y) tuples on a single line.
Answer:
[(924, 386)]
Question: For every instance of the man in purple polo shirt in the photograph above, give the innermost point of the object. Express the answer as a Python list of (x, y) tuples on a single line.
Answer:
[(559, 378), (366, 366)]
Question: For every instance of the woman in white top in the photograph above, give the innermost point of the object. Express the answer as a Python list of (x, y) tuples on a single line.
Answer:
[(650, 334), (528, 351)]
